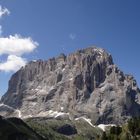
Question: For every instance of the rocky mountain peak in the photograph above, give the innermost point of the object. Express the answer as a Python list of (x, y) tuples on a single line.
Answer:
[(82, 84)]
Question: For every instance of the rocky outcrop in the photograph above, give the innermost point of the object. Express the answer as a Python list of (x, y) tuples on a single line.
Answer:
[(85, 83)]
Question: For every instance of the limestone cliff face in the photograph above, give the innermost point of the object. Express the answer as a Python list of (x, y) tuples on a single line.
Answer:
[(85, 83)]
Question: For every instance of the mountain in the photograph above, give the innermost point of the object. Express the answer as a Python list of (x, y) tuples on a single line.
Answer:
[(85, 84)]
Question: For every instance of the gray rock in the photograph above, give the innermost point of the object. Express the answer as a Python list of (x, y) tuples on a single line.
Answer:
[(85, 83)]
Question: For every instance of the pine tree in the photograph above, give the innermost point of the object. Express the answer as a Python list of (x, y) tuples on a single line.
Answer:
[(104, 137)]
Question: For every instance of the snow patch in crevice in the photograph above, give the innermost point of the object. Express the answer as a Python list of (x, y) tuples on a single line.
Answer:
[(2, 104), (104, 126), (85, 119), (19, 113), (14, 110), (52, 113), (71, 79), (51, 88), (36, 89), (99, 51), (63, 69), (28, 116), (60, 114), (62, 108)]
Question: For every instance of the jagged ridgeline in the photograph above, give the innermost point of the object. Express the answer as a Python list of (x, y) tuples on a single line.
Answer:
[(85, 84)]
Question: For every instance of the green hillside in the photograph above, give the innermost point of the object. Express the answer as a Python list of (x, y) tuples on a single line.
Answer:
[(16, 129), (64, 129)]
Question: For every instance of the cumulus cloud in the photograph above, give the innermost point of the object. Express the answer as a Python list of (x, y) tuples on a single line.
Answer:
[(16, 45), (13, 63), (3, 11)]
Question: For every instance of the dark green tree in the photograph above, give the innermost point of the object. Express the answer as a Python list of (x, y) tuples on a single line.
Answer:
[(115, 130), (104, 136)]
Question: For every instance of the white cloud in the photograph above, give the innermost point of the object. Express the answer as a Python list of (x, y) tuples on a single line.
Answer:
[(3, 11), (16, 45), (13, 63), (72, 36)]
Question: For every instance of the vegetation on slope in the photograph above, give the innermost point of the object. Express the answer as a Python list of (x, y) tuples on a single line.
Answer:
[(78, 130), (128, 131), (16, 129), (64, 129)]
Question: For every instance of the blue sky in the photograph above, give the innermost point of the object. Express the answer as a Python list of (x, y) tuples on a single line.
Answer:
[(67, 25)]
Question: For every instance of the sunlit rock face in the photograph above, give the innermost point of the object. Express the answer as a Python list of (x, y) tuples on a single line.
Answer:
[(85, 83)]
